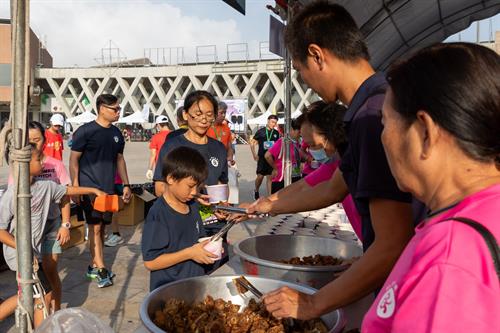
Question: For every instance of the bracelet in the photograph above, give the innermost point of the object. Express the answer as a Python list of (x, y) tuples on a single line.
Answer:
[(126, 185)]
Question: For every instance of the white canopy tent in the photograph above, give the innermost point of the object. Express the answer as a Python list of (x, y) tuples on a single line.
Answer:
[(136, 117), (260, 120), (84, 117), (295, 114)]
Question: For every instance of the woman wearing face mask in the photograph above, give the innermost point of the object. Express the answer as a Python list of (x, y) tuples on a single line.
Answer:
[(323, 130)]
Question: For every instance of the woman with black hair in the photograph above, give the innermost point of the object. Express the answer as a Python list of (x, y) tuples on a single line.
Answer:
[(200, 108), (441, 136)]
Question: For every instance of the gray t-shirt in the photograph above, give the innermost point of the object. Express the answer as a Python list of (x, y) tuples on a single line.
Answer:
[(43, 193)]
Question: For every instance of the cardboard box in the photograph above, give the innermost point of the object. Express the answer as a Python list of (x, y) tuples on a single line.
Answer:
[(77, 236), (133, 212), (74, 220)]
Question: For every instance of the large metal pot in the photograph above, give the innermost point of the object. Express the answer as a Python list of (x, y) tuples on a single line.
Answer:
[(260, 255), (196, 289)]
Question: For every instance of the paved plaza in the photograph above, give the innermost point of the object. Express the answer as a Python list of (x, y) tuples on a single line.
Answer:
[(119, 304)]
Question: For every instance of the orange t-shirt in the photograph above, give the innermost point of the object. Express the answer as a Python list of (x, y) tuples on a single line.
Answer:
[(157, 141), (53, 145), (221, 133)]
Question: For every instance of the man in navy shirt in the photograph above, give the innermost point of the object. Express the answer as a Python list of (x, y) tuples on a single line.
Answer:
[(170, 247), (331, 56), (96, 156), (265, 139)]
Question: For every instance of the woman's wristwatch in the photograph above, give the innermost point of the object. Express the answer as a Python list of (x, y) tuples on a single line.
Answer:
[(66, 225)]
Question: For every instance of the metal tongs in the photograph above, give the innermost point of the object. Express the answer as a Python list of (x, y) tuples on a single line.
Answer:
[(243, 285), (238, 210), (223, 230)]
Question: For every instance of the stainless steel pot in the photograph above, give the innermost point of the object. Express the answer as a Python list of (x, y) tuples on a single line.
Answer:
[(195, 289), (260, 255)]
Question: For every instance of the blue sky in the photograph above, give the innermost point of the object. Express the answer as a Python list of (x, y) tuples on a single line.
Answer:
[(77, 30)]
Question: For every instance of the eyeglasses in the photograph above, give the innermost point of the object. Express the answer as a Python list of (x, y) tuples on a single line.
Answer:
[(199, 116), (115, 109)]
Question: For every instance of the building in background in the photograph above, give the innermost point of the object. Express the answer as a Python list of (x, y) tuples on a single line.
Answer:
[(39, 57)]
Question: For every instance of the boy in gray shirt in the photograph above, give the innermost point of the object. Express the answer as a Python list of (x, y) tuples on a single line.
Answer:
[(45, 218)]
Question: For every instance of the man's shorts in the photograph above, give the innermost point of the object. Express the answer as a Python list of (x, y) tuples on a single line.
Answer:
[(263, 168), (93, 216)]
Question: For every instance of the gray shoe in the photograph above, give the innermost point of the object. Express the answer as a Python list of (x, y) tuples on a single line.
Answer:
[(113, 241)]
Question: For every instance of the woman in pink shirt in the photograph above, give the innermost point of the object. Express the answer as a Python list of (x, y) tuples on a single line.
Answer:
[(441, 136)]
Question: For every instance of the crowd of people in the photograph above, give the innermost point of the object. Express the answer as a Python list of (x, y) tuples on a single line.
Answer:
[(413, 155)]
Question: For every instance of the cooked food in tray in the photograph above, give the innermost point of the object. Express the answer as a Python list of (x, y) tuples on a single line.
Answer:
[(219, 316), (317, 260)]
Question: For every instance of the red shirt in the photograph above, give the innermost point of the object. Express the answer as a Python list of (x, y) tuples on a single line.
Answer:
[(53, 145), (221, 133), (157, 141)]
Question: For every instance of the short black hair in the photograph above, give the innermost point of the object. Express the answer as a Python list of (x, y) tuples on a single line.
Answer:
[(36, 125), (273, 116), (295, 124), (185, 162), (196, 96), (328, 25), (328, 120), (458, 85), (106, 99)]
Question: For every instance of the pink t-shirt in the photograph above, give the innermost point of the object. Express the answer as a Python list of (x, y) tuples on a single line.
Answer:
[(445, 280), (325, 172), (307, 166), (275, 151), (52, 169)]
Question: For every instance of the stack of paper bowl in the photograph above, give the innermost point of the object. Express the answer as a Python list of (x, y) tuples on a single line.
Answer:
[(345, 235), (304, 232), (311, 222)]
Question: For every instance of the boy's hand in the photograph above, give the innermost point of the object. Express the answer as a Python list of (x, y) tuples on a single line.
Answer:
[(203, 199), (200, 255), (63, 235)]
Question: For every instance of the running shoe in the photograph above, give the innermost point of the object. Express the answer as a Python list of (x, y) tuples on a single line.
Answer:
[(104, 278), (92, 272), (113, 240)]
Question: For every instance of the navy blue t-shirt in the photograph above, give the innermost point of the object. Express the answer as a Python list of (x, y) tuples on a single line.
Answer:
[(213, 151), (100, 147), (263, 135), (364, 164), (168, 231)]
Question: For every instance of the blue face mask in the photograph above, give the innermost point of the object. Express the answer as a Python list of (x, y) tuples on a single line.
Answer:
[(319, 155)]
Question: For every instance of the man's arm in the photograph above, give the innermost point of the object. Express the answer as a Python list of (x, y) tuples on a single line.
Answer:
[(122, 171), (230, 154), (152, 155), (74, 166), (392, 223), (253, 142), (319, 196)]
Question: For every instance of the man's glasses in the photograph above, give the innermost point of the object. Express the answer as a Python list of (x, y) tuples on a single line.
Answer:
[(199, 116), (115, 109)]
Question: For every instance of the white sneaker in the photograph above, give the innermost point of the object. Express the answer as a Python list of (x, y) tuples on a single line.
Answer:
[(113, 241)]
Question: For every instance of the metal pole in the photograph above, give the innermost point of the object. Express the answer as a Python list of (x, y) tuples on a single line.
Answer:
[(287, 172), (19, 110)]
